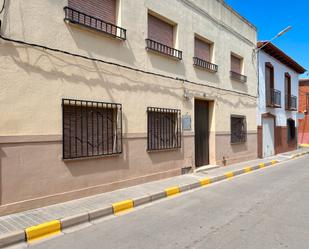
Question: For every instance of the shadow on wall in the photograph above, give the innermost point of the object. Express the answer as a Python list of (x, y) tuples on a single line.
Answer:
[(97, 43), (205, 76), (166, 64), (239, 86)]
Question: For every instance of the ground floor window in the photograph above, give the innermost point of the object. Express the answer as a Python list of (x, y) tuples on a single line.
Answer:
[(291, 129), (238, 129), (163, 128), (91, 128)]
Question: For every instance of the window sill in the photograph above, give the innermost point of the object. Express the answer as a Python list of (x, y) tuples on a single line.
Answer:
[(164, 150), (91, 157)]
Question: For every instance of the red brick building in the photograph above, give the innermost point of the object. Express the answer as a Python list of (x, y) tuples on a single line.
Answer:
[(303, 133)]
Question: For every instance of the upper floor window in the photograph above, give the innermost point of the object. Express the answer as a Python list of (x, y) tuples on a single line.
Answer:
[(203, 54), (290, 100), (161, 36), (273, 96), (237, 68), (100, 15), (91, 128)]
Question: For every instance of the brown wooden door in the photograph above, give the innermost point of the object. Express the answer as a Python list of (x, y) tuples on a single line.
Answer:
[(201, 127)]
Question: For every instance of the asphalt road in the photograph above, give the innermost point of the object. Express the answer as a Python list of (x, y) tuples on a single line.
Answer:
[(267, 209)]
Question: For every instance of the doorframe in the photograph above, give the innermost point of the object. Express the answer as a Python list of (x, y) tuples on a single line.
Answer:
[(269, 115)]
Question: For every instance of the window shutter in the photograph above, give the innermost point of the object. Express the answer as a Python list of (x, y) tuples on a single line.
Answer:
[(160, 31), (235, 64), (101, 9), (202, 50)]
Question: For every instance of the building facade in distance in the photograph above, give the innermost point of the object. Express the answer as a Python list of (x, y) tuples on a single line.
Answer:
[(278, 100), (101, 95), (303, 130)]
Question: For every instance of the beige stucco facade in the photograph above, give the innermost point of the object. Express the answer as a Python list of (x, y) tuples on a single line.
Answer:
[(33, 82)]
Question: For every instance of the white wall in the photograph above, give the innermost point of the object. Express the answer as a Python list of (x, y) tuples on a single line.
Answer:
[(279, 73)]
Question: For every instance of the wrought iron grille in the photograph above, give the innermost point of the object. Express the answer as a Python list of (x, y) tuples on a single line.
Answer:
[(164, 128), (290, 102), (205, 64), (238, 129), (91, 128), (163, 49), (273, 98), (80, 18), (238, 77)]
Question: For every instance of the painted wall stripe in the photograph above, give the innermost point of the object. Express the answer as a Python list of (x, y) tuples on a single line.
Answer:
[(273, 162), (205, 181), (122, 206), (43, 230), (229, 174), (247, 169), (172, 191)]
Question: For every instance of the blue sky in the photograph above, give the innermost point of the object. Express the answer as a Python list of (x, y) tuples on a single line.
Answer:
[(271, 16)]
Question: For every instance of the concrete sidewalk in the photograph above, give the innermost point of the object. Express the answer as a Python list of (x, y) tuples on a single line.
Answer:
[(140, 194)]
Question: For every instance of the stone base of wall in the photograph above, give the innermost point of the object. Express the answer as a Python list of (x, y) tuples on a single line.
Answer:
[(281, 140), (260, 142), (33, 173), (227, 153), (303, 138)]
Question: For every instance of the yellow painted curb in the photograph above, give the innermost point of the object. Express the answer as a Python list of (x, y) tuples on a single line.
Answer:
[(205, 181), (229, 174), (304, 145), (247, 169), (262, 165), (273, 162), (43, 230), (172, 191), (122, 206)]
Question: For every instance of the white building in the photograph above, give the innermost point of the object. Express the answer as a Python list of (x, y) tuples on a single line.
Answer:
[(278, 98)]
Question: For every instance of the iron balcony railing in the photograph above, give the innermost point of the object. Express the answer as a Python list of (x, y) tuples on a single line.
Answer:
[(205, 64), (273, 98), (238, 77), (163, 49), (80, 18), (290, 102)]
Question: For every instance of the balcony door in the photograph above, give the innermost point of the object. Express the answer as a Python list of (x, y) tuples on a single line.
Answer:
[(269, 83)]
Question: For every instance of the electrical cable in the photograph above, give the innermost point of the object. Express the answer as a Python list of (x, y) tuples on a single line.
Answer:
[(120, 65), (3, 5)]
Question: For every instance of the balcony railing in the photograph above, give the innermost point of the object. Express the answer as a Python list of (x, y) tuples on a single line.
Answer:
[(290, 102), (82, 19), (205, 64), (273, 98), (163, 49), (238, 77)]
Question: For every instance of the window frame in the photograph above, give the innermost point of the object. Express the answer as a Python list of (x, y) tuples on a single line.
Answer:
[(176, 136), (87, 106), (245, 129)]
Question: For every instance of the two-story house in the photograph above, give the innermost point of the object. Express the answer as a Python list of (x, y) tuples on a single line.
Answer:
[(278, 100), (100, 95)]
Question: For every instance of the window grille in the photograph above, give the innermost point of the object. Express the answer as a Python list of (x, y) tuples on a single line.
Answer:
[(238, 129), (164, 128), (91, 128)]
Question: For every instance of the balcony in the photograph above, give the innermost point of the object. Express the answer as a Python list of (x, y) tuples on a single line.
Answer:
[(205, 64), (273, 98), (90, 22), (238, 77), (163, 49), (290, 103)]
